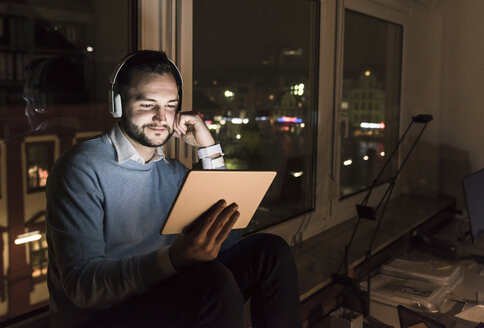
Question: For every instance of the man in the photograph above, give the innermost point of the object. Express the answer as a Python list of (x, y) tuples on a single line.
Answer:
[(107, 199), (53, 87)]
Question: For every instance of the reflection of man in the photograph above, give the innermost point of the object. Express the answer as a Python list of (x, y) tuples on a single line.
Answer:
[(52, 86), (107, 199)]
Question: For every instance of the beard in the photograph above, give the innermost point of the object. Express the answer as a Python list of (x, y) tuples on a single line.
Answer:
[(137, 133)]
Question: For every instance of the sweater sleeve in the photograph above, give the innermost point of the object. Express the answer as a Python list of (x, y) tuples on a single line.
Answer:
[(75, 231)]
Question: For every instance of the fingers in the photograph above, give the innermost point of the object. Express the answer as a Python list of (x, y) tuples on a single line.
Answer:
[(179, 127), (206, 221), (224, 232), (183, 120), (223, 221), (203, 242), (190, 127)]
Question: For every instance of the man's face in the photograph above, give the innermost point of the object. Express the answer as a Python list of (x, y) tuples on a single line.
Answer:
[(149, 112)]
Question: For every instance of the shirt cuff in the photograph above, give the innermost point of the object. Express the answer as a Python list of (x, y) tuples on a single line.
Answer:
[(165, 262), (213, 163)]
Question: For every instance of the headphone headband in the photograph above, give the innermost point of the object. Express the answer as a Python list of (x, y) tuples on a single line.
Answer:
[(115, 101)]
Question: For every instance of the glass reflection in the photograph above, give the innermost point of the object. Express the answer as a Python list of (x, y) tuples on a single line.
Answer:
[(369, 111), (55, 61), (255, 84)]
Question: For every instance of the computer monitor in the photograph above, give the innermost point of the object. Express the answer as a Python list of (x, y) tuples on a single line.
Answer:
[(474, 195)]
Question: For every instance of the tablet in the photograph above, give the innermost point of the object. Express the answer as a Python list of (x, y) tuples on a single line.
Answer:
[(202, 189)]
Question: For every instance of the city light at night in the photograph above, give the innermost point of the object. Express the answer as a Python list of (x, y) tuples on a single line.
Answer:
[(297, 174), (297, 89), (27, 237), (289, 119), (366, 125)]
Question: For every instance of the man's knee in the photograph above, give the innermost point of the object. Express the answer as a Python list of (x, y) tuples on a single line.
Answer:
[(273, 246), (216, 294), (215, 279)]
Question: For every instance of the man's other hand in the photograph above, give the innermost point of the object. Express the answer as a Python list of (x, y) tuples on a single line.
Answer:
[(190, 127), (203, 240)]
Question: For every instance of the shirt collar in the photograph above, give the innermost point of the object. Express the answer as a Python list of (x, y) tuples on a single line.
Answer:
[(126, 151)]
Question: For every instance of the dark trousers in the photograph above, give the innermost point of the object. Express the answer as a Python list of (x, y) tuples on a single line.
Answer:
[(260, 268)]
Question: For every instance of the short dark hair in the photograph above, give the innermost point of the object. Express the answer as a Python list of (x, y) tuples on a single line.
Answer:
[(148, 61)]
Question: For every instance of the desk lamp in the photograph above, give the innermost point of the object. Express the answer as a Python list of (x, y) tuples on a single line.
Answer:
[(364, 211)]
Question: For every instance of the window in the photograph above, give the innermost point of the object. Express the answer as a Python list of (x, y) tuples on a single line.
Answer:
[(55, 60), (253, 78), (40, 158), (39, 259), (371, 65), (38, 254)]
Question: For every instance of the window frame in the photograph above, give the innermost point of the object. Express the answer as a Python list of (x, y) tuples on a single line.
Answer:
[(175, 21), (393, 12), (167, 25), (37, 223), (291, 99), (33, 200)]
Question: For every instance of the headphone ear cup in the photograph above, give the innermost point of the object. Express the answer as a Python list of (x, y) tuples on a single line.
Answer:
[(39, 101), (117, 106), (42, 103)]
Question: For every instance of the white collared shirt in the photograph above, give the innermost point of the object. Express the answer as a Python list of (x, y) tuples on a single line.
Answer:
[(126, 151)]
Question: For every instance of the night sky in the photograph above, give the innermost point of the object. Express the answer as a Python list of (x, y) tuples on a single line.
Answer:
[(245, 33), (366, 42)]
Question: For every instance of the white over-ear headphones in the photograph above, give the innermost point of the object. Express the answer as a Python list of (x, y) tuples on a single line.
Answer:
[(34, 86), (116, 107)]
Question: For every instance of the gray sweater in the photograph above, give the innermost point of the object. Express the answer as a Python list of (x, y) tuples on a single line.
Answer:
[(103, 228)]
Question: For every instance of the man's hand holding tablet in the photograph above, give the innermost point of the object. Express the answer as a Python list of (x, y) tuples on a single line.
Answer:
[(209, 205), (202, 241)]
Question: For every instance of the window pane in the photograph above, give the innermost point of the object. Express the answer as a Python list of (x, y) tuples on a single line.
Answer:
[(253, 79), (40, 157), (56, 57), (371, 100)]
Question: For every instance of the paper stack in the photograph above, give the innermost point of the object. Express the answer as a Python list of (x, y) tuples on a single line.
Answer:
[(437, 272), (417, 284), (408, 292)]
